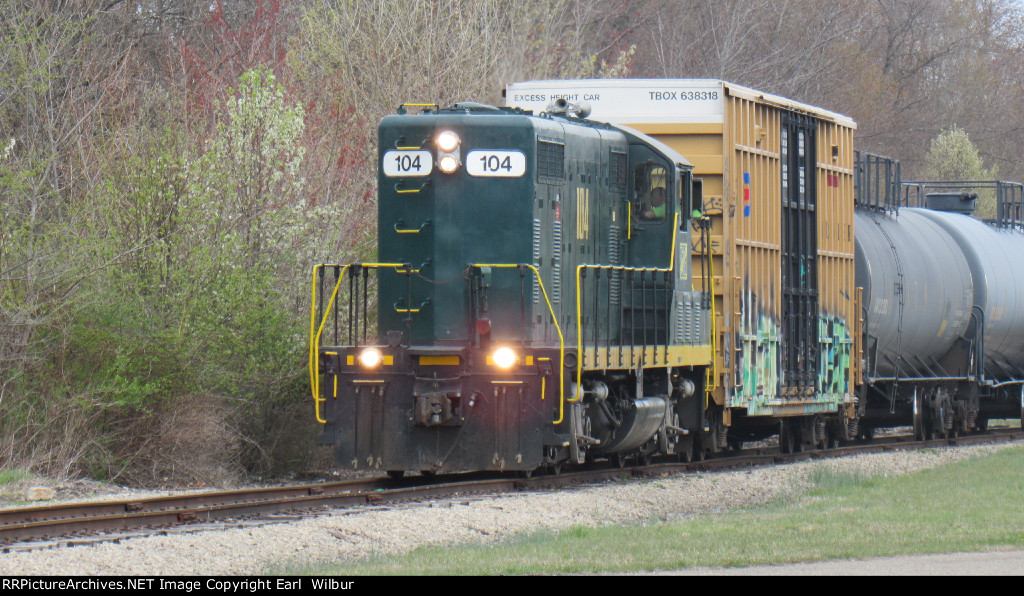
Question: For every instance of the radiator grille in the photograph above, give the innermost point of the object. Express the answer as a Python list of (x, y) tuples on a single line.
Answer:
[(550, 160), (556, 262), (691, 319), (617, 171), (536, 257), (615, 258)]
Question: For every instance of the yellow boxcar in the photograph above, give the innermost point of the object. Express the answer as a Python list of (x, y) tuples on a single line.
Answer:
[(778, 188)]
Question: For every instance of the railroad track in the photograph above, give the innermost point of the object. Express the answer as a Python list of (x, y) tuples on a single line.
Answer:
[(89, 522)]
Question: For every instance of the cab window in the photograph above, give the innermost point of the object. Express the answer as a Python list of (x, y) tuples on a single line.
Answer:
[(650, 192)]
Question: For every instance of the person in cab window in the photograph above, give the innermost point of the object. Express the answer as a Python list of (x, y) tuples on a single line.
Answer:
[(656, 209)]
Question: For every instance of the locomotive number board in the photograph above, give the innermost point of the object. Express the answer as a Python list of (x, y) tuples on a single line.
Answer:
[(506, 164), (407, 163)]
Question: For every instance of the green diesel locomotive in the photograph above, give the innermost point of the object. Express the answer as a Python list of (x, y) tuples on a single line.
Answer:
[(534, 300)]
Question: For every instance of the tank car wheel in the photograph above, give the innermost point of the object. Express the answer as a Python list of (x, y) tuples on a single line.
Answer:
[(951, 433), (618, 460), (932, 423), (645, 458), (396, 474), (920, 432)]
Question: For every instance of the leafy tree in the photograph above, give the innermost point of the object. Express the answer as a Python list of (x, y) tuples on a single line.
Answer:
[(249, 177), (42, 110), (953, 156), (209, 240)]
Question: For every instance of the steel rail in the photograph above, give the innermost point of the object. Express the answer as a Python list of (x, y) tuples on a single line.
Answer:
[(74, 519)]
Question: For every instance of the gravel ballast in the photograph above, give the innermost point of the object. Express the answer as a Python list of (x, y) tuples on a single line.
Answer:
[(349, 534)]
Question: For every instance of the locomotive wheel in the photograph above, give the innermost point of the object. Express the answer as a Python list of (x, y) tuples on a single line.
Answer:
[(684, 448), (700, 452)]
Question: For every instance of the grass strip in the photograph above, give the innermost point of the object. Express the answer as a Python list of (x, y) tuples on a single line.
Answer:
[(969, 505), (12, 476)]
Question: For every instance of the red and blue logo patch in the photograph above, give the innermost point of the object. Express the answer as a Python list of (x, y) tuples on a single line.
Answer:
[(746, 194)]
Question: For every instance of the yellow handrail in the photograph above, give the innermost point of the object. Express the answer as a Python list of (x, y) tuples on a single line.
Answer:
[(314, 336), (558, 328), (712, 383), (316, 332), (579, 301)]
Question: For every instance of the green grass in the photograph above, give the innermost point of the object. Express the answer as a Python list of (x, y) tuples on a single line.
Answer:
[(965, 506), (13, 482), (13, 476)]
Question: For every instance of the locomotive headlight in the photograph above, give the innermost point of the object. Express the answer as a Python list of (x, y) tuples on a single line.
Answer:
[(504, 357), (448, 163), (448, 155), (448, 141), (370, 358)]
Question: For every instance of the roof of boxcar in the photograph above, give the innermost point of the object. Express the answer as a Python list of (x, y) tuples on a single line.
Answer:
[(653, 100)]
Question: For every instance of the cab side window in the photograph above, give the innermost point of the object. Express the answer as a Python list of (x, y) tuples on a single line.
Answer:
[(650, 192)]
